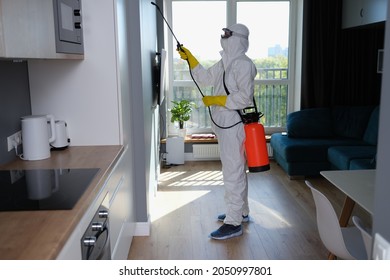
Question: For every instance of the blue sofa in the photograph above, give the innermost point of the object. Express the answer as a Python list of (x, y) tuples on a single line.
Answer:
[(327, 138)]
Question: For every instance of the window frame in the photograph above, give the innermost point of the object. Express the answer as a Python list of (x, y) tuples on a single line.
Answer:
[(294, 58)]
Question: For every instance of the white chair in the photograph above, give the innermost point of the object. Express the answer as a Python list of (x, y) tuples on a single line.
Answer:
[(366, 234), (343, 242)]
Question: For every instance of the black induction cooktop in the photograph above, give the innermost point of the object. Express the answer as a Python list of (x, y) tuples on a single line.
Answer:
[(43, 189)]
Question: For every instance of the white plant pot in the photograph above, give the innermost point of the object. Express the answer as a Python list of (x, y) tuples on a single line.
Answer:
[(181, 132)]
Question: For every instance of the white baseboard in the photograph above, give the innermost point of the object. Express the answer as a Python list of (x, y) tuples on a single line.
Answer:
[(142, 228)]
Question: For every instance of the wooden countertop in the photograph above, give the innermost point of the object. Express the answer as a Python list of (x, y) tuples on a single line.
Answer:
[(41, 235)]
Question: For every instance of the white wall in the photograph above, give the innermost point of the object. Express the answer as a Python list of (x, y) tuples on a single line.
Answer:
[(83, 93), (381, 223)]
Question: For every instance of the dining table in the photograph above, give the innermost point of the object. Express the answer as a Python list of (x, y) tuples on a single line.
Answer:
[(357, 185)]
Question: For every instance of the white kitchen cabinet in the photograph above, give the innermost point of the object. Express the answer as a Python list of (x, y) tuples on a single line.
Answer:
[(27, 30), (121, 229), (363, 12)]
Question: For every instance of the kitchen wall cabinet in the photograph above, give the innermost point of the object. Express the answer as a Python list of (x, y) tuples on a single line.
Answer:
[(27, 30), (363, 12)]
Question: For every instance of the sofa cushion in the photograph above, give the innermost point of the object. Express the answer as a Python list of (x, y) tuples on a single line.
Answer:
[(341, 156), (357, 164), (307, 149), (310, 123), (351, 122), (371, 133), (298, 168)]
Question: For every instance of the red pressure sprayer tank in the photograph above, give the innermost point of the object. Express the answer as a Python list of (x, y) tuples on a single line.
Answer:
[(256, 147), (255, 143)]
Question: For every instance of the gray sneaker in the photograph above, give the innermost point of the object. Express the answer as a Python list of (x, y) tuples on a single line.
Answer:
[(226, 231), (222, 217)]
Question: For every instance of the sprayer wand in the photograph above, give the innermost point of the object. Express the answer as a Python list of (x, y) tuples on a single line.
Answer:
[(178, 45), (177, 41)]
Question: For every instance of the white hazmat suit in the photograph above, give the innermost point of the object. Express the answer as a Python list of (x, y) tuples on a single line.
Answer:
[(240, 72)]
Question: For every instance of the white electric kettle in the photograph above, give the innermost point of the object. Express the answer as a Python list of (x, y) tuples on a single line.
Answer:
[(35, 136), (62, 140)]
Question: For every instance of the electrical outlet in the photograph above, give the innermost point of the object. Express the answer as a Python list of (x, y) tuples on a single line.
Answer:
[(16, 137), (381, 250), (16, 175)]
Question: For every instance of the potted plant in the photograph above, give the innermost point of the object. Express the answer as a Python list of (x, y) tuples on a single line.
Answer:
[(181, 112)]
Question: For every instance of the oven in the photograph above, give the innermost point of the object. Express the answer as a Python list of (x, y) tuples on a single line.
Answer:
[(95, 242)]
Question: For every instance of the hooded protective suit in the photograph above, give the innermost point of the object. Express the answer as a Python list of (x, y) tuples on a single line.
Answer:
[(239, 79)]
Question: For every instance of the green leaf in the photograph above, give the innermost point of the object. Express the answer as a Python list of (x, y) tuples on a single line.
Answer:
[(181, 111)]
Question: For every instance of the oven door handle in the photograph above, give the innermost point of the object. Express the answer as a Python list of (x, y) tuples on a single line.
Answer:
[(104, 249), (92, 246)]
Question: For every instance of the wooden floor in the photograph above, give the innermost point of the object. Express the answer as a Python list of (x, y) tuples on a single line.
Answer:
[(282, 219)]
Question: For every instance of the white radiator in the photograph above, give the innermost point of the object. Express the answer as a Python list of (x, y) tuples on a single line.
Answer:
[(205, 151), (211, 151), (270, 150)]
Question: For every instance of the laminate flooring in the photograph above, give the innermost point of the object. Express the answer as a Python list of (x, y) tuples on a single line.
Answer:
[(282, 217)]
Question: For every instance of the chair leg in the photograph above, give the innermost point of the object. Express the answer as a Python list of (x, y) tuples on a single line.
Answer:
[(331, 257)]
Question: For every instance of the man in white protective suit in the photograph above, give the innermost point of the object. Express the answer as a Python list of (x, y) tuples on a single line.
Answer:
[(236, 72)]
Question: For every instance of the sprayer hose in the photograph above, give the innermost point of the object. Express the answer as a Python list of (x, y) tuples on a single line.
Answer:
[(211, 116)]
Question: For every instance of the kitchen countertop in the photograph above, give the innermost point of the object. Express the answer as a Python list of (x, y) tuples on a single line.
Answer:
[(41, 234)]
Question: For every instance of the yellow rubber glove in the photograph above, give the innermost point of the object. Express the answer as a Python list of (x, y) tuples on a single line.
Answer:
[(187, 55), (219, 100)]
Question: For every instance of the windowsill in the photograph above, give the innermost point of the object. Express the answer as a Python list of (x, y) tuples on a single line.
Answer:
[(189, 139)]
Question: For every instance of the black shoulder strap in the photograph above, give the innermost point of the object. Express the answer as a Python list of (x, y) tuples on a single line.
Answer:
[(224, 84), (246, 118)]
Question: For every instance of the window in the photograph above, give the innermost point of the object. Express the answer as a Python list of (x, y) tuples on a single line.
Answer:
[(198, 26)]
